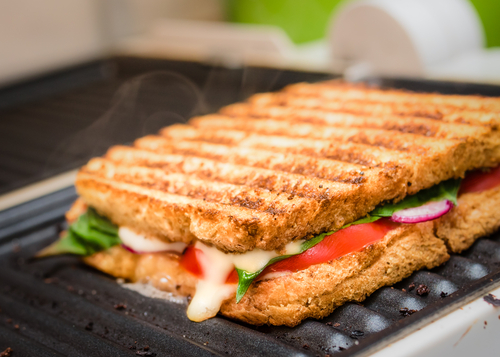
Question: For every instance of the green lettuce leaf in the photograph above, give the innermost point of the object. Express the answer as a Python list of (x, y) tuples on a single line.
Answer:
[(91, 233), (445, 190)]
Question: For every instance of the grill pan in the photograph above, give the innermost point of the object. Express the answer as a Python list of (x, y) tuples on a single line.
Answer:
[(59, 306)]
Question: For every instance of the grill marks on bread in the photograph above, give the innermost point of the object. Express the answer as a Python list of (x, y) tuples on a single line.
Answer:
[(335, 89), (426, 165), (364, 107), (289, 165)]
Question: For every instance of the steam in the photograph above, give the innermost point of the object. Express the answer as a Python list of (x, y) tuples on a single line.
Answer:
[(146, 103), (141, 106)]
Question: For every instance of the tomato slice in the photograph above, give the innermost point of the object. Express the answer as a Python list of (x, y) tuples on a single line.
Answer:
[(232, 278), (477, 181), (340, 243), (336, 245), (190, 261)]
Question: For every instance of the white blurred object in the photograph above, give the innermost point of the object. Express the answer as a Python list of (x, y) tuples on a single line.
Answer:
[(439, 39), (481, 66), (39, 36)]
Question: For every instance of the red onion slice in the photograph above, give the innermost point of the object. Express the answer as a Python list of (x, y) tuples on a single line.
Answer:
[(130, 249), (424, 213)]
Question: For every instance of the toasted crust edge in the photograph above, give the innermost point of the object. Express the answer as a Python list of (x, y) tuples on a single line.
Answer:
[(475, 216)]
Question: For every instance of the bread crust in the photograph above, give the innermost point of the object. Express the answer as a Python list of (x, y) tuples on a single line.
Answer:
[(162, 270), (312, 292), (475, 216)]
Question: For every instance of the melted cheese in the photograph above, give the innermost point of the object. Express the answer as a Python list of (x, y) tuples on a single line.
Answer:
[(216, 265), (212, 290), (142, 244)]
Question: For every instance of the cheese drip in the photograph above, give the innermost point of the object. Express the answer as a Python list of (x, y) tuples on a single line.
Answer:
[(212, 289)]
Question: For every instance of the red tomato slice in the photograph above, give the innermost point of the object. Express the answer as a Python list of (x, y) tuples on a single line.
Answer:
[(190, 261), (336, 245), (232, 278), (345, 241), (477, 181)]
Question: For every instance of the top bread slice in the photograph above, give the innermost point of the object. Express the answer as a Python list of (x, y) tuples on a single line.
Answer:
[(267, 172)]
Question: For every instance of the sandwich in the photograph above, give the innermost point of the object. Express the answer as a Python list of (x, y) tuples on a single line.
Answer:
[(291, 204)]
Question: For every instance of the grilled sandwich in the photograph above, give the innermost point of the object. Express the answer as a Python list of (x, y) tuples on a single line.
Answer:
[(234, 209)]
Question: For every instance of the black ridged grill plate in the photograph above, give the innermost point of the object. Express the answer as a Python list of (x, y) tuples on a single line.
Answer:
[(59, 306)]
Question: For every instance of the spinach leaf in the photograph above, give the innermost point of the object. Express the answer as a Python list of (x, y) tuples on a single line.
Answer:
[(91, 233), (367, 219)]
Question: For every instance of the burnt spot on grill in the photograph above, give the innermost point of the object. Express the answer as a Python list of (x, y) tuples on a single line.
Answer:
[(422, 290), (8, 352), (357, 334), (405, 312), (493, 300)]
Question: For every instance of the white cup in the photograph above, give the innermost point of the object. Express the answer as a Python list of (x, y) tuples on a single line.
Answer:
[(402, 37)]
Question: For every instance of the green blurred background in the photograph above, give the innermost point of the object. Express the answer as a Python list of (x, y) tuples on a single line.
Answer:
[(307, 20)]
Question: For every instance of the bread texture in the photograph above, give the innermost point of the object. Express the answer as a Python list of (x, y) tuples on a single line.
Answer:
[(475, 216)]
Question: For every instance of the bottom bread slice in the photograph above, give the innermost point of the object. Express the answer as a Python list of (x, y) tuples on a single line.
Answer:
[(316, 291), (312, 292)]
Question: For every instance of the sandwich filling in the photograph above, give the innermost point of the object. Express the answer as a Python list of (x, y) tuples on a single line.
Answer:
[(220, 275)]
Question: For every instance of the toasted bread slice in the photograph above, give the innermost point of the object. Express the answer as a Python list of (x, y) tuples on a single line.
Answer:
[(268, 175), (316, 291), (312, 292), (181, 206)]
